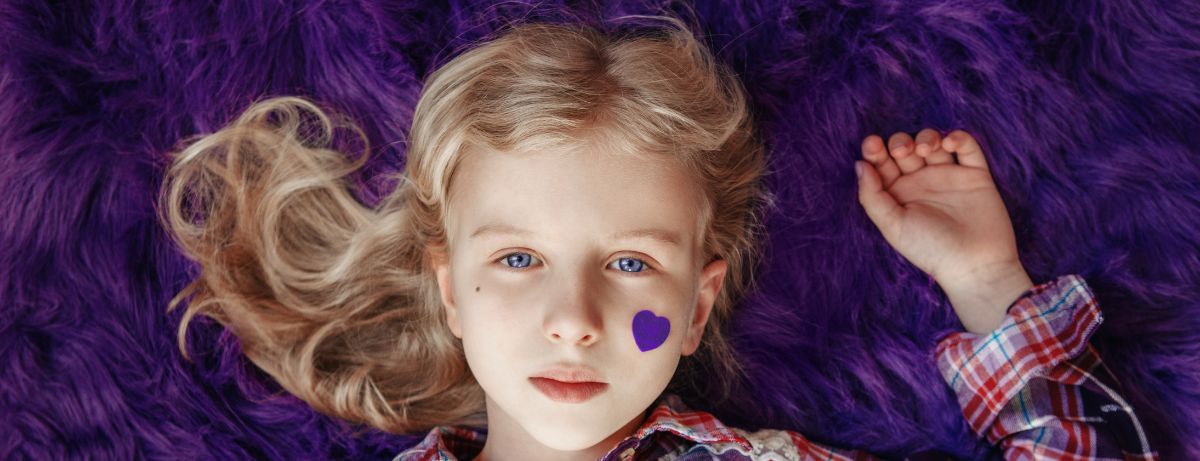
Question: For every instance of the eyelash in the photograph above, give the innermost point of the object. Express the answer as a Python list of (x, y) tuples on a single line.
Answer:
[(646, 269)]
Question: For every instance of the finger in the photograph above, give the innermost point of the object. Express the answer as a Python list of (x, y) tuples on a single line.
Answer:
[(902, 150), (874, 152), (929, 146), (880, 206), (968, 151)]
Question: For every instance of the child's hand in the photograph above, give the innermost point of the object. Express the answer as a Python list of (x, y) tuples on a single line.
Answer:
[(947, 218)]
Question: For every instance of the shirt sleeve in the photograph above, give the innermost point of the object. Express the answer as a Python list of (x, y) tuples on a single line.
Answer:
[(1036, 387)]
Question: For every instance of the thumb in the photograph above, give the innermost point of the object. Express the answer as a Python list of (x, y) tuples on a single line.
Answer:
[(879, 204)]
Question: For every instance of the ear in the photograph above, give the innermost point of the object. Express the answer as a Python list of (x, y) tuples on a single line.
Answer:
[(711, 278), (441, 267)]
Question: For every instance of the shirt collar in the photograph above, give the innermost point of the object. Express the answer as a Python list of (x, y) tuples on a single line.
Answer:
[(670, 417)]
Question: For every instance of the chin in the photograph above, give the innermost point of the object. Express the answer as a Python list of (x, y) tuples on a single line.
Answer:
[(575, 438), (573, 431)]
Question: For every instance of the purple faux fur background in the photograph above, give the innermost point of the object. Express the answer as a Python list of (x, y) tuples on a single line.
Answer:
[(1090, 111)]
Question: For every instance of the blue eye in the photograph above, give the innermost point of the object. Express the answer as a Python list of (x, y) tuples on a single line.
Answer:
[(517, 260), (631, 264)]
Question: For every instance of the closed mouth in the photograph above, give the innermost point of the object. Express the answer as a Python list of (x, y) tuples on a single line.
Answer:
[(568, 392)]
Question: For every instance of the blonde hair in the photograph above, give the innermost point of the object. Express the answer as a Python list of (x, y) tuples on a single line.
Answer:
[(337, 300)]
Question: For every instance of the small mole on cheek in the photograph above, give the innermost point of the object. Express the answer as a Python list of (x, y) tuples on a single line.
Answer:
[(476, 289)]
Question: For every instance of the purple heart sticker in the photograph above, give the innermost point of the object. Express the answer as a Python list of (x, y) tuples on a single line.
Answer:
[(649, 330)]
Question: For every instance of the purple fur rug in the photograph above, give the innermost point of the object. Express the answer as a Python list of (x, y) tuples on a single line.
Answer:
[(1090, 111)]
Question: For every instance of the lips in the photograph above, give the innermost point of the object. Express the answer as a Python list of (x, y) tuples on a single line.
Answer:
[(568, 392)]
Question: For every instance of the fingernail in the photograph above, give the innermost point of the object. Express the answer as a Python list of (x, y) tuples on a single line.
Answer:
[(858, 169)]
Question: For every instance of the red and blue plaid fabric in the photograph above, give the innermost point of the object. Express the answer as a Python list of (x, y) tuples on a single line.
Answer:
[(1034, 387)]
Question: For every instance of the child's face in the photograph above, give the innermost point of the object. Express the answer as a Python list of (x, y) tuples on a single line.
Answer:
[(566, 293)]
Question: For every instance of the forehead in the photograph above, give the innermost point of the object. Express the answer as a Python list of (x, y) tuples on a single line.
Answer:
[(575, 193)]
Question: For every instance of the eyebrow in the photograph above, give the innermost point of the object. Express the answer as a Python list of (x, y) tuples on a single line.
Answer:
[(655, 234)]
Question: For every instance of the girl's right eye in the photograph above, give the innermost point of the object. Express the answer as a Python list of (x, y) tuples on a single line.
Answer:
[(517, 260)]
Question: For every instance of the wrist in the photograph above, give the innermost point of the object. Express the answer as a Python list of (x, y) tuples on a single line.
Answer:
[(981, 299)]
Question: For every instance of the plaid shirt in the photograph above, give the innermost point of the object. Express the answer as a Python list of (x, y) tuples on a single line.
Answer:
[(1034, 387)]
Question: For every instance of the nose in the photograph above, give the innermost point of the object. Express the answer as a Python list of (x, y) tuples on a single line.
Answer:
[(574, 315), (573, 336)]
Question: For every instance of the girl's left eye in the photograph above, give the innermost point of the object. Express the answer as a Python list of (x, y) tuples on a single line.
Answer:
[(631, 265)]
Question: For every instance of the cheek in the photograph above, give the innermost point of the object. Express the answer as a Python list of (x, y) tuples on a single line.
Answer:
[(489, 319), (485, 302), (486, 313), (651, 352), (489, 341)]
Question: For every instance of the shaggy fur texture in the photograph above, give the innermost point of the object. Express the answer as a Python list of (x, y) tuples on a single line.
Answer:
[(1090, 111)]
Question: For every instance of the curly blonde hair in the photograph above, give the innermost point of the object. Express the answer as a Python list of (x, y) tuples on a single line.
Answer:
[(337, 300)]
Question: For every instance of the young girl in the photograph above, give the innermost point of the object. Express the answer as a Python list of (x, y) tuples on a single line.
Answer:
[(576, 220)]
